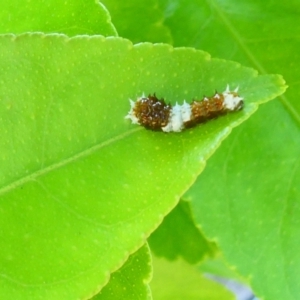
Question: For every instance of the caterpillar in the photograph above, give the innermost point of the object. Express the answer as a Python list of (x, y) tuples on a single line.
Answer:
[(156, 114)]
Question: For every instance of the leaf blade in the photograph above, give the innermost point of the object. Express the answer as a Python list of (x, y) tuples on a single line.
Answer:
[(64, 120), (68, 17)]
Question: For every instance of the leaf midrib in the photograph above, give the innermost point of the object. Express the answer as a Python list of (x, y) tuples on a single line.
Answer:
[(289, 107), (55, 166)]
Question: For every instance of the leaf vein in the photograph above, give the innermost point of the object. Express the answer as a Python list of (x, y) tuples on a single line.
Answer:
[(66, 161)]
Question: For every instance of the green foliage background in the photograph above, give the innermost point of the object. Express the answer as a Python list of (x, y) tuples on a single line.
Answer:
[(81, 189)]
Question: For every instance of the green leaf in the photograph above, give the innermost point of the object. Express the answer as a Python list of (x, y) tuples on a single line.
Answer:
[(220, 267), (178, 235), (131, 280), (179, 280), (55, 16), (256, 198), (80, 187), (255, 205), (139, 21)]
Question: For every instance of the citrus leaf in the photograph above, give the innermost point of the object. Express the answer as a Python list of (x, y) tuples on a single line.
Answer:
[(139, 21), (80, 187), (179, 280), (55, 16), (178, 235), (264, 213), (131, 280), (219, 267), (254, 217)]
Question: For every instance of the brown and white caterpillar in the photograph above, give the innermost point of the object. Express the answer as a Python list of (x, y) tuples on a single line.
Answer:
[(155, 114)]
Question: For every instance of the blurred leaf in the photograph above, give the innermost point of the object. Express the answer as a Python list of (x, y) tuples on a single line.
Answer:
[(55, 16), (255, 199), (219, 267), (131, 280), (179, 280), (139, 21), (82, 188), (178, 235), (254, 205)]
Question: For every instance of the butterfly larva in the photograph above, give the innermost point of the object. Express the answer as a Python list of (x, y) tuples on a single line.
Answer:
[(155, 114)]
